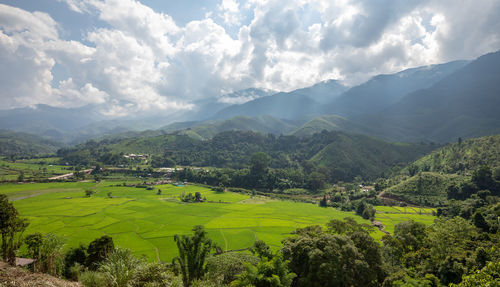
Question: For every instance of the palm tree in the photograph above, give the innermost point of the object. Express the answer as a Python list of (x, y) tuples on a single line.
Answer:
[(193, 251)]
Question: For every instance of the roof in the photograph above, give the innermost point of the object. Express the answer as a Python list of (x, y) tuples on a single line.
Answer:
[(24, 261)]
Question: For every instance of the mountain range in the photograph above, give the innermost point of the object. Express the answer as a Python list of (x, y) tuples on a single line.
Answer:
[(432, 103)]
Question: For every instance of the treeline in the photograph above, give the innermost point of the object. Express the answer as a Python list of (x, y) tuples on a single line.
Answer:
[(342, 156)]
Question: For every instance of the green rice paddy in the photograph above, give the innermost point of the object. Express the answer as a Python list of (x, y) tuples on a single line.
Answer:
[(146, 222), (392, 215)]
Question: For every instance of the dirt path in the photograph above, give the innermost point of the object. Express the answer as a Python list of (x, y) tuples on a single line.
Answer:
[(67, 175)]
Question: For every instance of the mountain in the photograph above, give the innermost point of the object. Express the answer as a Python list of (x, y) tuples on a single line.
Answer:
[(47, 121), (17, 143), (296, 105), (383, 90), (208, 129), (463, 104), (206, 108), (243, 96), (323, 92), (330, 123)]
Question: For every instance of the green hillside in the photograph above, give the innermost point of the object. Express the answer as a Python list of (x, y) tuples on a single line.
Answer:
[(329, 123), (425, 188), (358, 154), (16, 143), (461, 157)]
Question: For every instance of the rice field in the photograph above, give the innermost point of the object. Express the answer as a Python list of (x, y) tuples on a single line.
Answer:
[(392, 215), (146, 221)]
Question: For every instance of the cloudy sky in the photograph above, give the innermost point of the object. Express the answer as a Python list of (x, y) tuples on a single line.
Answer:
[(149, 55)]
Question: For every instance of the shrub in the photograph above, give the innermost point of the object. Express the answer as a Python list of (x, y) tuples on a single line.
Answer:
[(93, 279), (119, 267)]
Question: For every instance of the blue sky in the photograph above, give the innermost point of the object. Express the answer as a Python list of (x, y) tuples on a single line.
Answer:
[(129, 55)]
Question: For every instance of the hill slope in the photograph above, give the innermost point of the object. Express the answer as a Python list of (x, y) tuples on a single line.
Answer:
[(462, 157), (358, 154), (15, 143)]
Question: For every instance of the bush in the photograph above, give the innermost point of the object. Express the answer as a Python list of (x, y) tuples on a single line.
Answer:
[(154, 274), (227, 266), (119, 267), (93, 279)]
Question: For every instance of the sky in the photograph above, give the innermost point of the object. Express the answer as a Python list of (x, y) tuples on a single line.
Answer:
[(130, 56)]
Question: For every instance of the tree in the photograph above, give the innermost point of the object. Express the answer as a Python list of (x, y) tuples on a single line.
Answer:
[(34, 242), (261, 249), (326, 260), (51, 255), (89, 192), (488, 276), (347, 226), (98, 251), (259, 164), (316, 181), (480, 222), (273, 273), (411, 235), (482, 177), (323, 202), (193, 251), (11, 229), (74, 256), (228, 265), (20, 178)]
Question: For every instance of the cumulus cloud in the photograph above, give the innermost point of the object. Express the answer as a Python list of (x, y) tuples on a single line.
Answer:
[(142, 60)]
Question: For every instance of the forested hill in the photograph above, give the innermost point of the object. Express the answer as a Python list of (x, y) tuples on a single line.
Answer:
[(16, 143), (455, 171), (344, 155), (462, 156)]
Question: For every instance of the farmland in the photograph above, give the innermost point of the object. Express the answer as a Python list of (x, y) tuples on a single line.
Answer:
[(389, 216), (32, 169), (146, 221)]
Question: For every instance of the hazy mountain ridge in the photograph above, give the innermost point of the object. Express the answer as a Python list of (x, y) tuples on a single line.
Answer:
[(17, 143), (383, 90), (463, 104)]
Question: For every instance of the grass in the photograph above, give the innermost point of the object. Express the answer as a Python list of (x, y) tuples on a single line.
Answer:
[(146, 222)]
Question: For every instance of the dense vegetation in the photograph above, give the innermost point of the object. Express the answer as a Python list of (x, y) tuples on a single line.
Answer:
[(456, 171), (23, 144), (339, 155)]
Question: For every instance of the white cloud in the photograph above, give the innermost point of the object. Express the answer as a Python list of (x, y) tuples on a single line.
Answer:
[(142, 60), (230, 12)]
